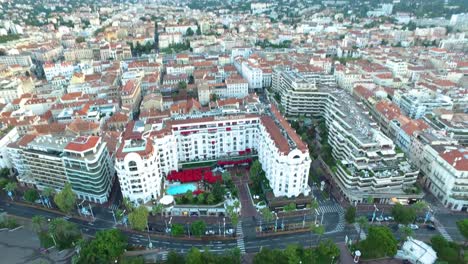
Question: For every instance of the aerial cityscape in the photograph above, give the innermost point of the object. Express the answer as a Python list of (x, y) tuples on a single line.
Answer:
[(229, 132)]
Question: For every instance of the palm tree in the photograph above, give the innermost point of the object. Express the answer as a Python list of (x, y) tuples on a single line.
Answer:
[(39, 223), (11, 187), (363, 224), (157, 209), (319, 230), (48, 192), (420, 206), (406, 232)]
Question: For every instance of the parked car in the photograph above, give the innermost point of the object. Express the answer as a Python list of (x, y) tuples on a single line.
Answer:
[(193, 214), (388, 218), (230, 231), (430, 227), (209, 232), (413, 226), (379, 218)]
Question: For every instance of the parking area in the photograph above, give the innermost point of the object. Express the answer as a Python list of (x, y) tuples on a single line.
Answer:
[(22, 246)]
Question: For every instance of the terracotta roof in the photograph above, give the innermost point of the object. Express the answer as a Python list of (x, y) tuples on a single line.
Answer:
[(80, 125), (291, 133), (413, 126), (458, 158), (280, 141), (81, 144), (388, 109)]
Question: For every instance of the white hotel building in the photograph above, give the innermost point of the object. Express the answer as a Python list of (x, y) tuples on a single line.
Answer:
[(367, 162), (145, 157)]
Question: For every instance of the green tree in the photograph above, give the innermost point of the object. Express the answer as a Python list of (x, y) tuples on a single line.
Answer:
[(327, 250), (218, 191), (177, 229), (65, 233), (290, 207), (39, 223), (128, 204), (231, 212), (65, 199), (363, 224), (406, 232), (446, 251), (48, 192), (201, 198), (403, 215), (420, 206), (198, 228), (107, 246), (3, 182), (157, 209), (266, 214), (189, 32), (11, 187), (268, 256), (463, 228), (380, 242), (350, 215), (80, 40), (199, 31), (31, 195), (189, 196), (182, 85), (4, 172), (139, 218), (210, 199), (292, 254), (317, 229), (174, 258)]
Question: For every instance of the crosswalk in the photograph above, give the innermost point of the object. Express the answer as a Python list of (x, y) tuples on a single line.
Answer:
[(442, 230), (240, 237), (164, 256), (363, 233), (341, 223), (330, 208), (114, 207)]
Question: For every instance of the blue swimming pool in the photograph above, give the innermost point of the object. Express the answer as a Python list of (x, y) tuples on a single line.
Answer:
[(181, 188)]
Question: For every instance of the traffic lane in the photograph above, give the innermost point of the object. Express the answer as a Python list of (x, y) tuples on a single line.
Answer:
[(330, 221), (305, 239), (142, 240), (332, 216), (449, 221)]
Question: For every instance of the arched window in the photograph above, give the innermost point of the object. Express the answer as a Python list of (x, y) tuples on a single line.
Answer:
[(132, 166)]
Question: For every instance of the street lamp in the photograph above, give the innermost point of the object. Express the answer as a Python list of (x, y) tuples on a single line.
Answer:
[(373, 215), (276, 221)]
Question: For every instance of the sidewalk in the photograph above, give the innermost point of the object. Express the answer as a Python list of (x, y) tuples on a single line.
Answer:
[(345, 256)]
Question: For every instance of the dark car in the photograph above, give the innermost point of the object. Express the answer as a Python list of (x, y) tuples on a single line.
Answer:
[(430, 227)]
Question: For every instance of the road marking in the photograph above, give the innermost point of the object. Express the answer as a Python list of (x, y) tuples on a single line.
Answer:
[(15, 228)]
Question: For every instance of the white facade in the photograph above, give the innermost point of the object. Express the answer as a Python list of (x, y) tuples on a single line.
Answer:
[(65, 69), (9, 137), (143, 162), (253, 74), (368, 165), (446, 175)]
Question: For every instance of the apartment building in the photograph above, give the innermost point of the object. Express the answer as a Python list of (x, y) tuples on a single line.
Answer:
[(446, 174), (51, 161), (231, 88), (131, 96), (367, 162), (145, 158), (417, 103), (52, 70)]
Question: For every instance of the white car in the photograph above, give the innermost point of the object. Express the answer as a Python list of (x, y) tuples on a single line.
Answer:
[(260, 205), (413, 226)]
